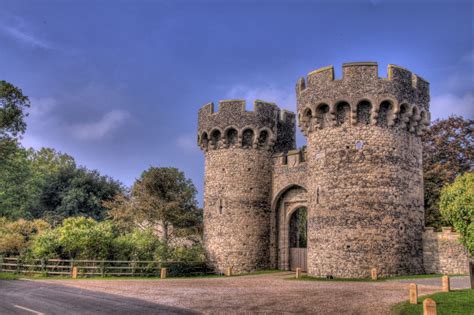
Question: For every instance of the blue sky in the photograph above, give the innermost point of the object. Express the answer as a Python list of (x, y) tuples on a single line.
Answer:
[(117, 84)]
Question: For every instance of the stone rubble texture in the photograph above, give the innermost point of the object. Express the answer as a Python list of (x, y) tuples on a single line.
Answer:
[(360, 176)]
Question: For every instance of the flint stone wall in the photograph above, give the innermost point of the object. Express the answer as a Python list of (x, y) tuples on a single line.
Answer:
[(442, 252)]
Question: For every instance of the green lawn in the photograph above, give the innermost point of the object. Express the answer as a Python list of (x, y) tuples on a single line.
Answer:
[(8, 276), (11, 276), (313, 278), (458, 302)]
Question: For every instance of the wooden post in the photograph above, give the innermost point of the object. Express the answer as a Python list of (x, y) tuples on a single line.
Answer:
[(413, 293), (471, 273), (74, 272), (429, 307), (163, 273), (373, 273), (446, 284), (228, 272), (298, 273)]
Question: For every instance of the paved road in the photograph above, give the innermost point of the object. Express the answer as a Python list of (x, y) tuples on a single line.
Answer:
[(35, 297)]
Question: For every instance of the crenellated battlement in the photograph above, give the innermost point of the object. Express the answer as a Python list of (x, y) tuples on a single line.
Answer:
[(362, 97), (363, 72), (234, 126), (291, 158)]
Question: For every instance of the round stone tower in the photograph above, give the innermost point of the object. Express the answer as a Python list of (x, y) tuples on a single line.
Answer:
[(364, 156), (238, 146)]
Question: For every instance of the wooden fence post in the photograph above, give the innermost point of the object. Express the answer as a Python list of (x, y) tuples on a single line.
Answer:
[(1, 263), (429, 307), (163, 273), (471, 273), (102, 269), (228, 272), (373, 274), (74, 272), (298, 273), (413, 293), (446, 284)]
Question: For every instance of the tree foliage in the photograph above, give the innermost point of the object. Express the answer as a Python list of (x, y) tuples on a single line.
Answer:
[(448, 151), (457, 207), (12, 110), (161, 197), (75, 192)]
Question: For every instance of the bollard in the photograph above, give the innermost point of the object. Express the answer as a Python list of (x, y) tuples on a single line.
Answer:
[(429, 307), (163, 273), (74, 272), (228, 272), (373, 273), (413, 293), (298, 273), (446, 284)]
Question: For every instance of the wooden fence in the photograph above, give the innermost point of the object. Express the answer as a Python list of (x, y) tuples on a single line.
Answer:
[(101, 268)]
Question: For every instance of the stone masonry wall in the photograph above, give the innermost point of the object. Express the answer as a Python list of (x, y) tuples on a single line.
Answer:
[(365, 192), (238, 146), (443, 254)]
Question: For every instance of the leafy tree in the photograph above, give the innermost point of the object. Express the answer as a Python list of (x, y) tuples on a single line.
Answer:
[(17, 236), (457, 207), (13, 105), (160, 197), (19, 184), (448, 151), (75, 192)]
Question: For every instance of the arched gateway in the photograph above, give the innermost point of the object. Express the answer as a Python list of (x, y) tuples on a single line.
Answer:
[(290, 208)]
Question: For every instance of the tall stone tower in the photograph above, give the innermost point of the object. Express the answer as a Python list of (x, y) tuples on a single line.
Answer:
[(365, 183), (238, 146)]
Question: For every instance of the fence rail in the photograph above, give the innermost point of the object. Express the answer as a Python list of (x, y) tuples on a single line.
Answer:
[(91, 268)]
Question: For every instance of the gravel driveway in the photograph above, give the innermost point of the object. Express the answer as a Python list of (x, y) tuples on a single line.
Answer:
[(267, 293)]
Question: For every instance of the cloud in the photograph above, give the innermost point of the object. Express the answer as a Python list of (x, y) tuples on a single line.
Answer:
[(284, 98), (25, 37), (101, 128), (41, 106), (444, 105), (187, 143), (457, 95)]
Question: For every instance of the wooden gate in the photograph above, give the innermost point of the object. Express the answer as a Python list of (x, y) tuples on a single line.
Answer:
[(298, 258)]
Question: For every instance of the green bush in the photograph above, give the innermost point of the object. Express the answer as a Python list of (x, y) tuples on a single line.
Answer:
[(457, 207), (139, 245), (16, 236), (77, 238)]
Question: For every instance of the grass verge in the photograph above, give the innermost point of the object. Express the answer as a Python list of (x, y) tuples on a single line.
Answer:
[(8, 276), (455, 302), (313, 278)]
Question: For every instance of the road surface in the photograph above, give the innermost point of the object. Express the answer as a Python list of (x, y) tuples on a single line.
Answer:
[(35, 297)]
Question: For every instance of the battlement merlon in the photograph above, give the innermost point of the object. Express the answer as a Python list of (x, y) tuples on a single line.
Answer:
[(363, 76), (234, 113)]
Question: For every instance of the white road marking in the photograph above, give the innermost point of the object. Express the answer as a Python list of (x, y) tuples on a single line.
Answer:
[(28, 309)]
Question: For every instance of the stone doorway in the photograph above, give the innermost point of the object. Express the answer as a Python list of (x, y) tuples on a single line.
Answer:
[(298, 232)]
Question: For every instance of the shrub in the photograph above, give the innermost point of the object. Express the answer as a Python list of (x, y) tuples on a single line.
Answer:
[(77, 238), (16, 237), (457, 207)]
